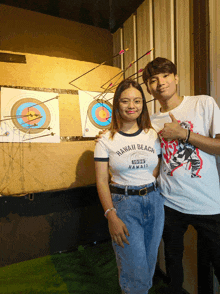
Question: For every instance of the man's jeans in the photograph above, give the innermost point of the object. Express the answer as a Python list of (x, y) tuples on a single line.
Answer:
[(144, 219)]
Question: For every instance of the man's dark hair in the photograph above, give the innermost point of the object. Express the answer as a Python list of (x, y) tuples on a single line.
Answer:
[(157, 66)]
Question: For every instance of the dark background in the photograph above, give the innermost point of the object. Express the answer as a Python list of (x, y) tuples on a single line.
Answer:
[(107, 14)]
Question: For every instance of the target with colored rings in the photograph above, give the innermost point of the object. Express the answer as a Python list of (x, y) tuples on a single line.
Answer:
[(100, 113), (30, 115)]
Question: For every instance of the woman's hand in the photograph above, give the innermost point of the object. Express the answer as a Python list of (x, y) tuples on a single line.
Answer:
[(117, 229)]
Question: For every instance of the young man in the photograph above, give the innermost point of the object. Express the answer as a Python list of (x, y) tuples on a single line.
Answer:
[(189, 129)]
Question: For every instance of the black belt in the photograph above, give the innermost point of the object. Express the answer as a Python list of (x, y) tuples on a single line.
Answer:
[(141, 192)]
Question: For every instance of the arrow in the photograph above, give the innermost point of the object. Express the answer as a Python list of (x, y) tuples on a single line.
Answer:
[(119, 53)]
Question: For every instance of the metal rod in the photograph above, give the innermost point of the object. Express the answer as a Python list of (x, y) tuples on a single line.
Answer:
[(51, 134)]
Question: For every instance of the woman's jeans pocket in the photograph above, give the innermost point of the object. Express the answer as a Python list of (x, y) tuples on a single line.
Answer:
[(117, 199)]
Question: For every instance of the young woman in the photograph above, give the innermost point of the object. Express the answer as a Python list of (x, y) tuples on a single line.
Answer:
[(132, 202)]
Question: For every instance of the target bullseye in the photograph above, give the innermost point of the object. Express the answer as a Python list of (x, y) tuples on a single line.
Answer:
[(30, 115), (99, 113), (102, 114)]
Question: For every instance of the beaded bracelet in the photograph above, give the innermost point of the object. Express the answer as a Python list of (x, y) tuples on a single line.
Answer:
[(108, 210)]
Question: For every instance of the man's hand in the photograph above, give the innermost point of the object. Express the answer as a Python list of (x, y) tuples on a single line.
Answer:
[(173, 130), (99, 136)]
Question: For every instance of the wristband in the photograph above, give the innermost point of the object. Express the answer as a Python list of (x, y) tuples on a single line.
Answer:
[(108, 210), (187, 140), (187, 137)]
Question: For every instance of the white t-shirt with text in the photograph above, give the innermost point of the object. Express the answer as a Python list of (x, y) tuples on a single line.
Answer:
[(132, 157)]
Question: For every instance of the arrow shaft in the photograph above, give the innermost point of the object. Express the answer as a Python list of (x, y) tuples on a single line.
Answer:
[(119, 53)]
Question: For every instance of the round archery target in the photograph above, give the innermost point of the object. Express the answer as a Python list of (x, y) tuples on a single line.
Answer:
[(100, 113), (30, 115)]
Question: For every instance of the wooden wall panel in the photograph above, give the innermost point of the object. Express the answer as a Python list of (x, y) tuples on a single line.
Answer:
[(130, 42), (183, 47), (164, 28), (145, 43), (214, 12), (163, 20), (201, 47), (117, 47)]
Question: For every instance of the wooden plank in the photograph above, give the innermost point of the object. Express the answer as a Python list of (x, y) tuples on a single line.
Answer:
[(163, 28), (130, 42), (117, 47), (214, 12), (15, 58), (145, 43), (184, 46), (163, 31)]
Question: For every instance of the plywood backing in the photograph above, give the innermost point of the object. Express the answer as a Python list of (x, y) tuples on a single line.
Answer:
[(35, 167)]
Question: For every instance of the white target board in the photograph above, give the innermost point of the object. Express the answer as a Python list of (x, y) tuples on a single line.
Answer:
[(29, 116)]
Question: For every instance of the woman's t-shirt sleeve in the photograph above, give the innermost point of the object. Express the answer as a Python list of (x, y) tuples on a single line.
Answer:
[(101, 152)]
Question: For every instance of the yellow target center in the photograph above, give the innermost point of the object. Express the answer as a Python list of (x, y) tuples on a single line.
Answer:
[(32, 115), (102, 114)]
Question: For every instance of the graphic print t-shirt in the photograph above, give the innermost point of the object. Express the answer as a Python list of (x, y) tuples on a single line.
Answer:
[(188, 176), (132, 157)]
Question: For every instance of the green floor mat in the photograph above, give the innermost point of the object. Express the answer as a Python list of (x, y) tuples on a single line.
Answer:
[(90, 270)]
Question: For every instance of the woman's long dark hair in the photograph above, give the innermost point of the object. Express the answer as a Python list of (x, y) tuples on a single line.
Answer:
[(143, 120)]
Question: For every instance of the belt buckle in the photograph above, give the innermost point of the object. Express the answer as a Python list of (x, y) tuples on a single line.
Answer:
[(143, 192)]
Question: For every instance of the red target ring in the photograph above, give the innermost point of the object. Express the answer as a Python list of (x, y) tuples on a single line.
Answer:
[(29, 113)]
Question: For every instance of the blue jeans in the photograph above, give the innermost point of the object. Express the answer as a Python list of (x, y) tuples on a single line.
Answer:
[(144, 219)]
